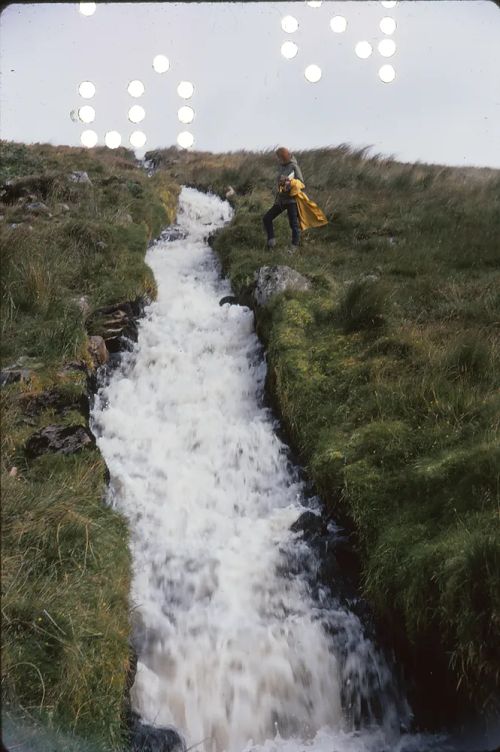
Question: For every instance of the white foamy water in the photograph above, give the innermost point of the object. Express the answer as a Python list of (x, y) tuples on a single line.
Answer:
[(232, 652)]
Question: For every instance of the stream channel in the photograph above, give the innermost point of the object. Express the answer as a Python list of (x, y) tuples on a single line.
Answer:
[(238, 646)]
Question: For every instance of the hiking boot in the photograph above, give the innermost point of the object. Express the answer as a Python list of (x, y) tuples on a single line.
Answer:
[(271, 243)]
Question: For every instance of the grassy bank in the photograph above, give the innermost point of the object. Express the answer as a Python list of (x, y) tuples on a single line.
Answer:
[(66, 567), (386, 375)]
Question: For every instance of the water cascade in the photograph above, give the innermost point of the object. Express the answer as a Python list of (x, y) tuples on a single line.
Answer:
[(234, 650)]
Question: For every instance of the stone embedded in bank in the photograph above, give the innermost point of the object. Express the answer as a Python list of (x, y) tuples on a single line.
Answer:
[(272, 280), (58, 440)]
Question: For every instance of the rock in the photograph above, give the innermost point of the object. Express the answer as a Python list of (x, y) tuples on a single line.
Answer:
[(272, 280), (59, 440), (13, 472), (231, 299), (55, 399), (11, 376), (63, 208), (101, 245), (98, 350), (172, 233), (146, 738), (38, 207), (230, 192), (117, 324), (78, 176), (309, 524)]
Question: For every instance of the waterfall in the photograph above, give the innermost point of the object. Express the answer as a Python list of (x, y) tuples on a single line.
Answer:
[(234, 651)]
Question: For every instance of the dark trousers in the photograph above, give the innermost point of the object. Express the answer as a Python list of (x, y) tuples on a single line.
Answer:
[(293, 219)]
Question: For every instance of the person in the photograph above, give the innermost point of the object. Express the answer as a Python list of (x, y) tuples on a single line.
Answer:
[(288, 170)]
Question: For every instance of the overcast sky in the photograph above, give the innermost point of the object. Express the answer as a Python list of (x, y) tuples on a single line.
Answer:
[(442, 107)]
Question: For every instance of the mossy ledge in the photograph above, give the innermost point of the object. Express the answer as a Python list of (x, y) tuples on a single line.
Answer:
[(73, 253), (385, 376)]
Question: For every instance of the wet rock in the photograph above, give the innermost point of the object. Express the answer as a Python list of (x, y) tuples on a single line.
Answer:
[(117, 324), (172, 233), (231, 299), (78, 176), (146, 738), (98, 350), (11, 376), (58, 440), (272, 280), (309, 524)]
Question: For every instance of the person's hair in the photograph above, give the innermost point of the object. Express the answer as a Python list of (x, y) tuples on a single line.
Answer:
[(283, 154)]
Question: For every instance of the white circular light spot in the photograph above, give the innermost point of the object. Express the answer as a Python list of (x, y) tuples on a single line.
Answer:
[(185, 89), (138, 139), (387, 47), (185, 139), (89, 138), (388, 25), (185, 114), (338, 24), (136, 88), (313, 73), (289, 50), (86, 89), (314, 3), (87, 9), (161, 64), (136, 114), (363, 50), (86, 114), (387, 74), (389, 3), (112, 139), (289, 24)]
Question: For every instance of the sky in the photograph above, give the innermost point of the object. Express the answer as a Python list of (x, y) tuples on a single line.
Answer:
[(442, 107)]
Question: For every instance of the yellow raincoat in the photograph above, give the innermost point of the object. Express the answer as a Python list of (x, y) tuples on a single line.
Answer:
[(310, 215)]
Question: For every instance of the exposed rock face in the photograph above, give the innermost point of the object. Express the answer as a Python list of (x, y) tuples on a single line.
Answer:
[(117, 324), (58, 439), (98, 350), (271, 280)]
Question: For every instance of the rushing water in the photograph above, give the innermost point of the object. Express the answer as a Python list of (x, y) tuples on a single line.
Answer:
[(234, 651)]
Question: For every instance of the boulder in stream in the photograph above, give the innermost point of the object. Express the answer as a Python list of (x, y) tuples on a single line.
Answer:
[(145, 738)]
